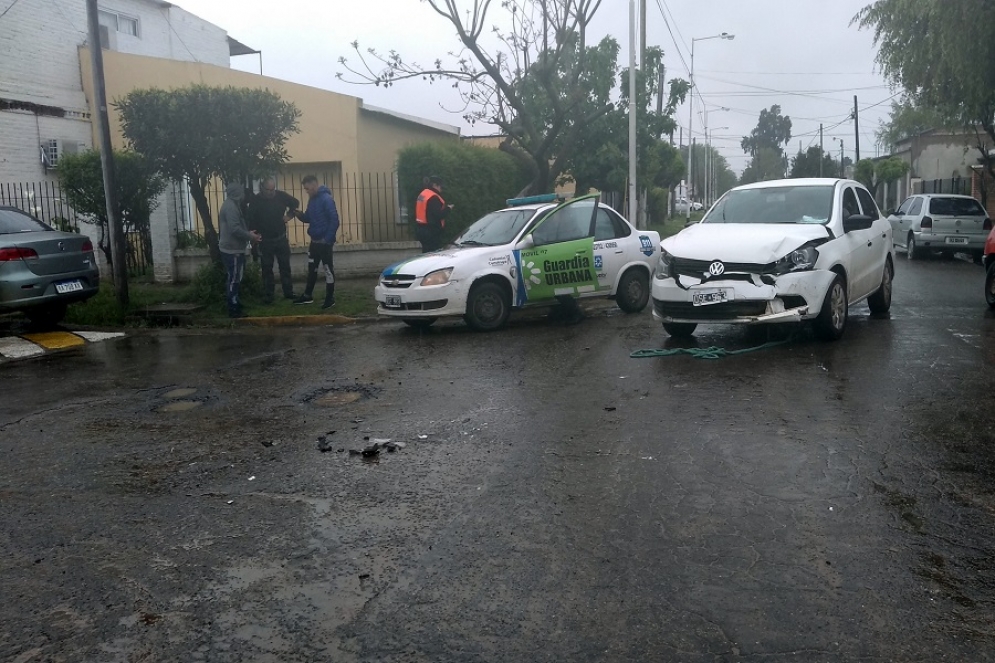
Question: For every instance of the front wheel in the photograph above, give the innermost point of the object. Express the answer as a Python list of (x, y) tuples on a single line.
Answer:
[(831, 322), (633, 291), (46, 316), (990, 286), (487, 307), (680, 329), (880, 301)]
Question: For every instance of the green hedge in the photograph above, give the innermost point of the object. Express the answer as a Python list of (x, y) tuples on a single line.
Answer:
[(477, 180)]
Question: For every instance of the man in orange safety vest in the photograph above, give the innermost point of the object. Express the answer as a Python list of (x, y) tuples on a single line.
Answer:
[(430, 215)]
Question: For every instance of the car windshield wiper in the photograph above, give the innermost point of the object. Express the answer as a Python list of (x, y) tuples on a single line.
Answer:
[(473, 242)]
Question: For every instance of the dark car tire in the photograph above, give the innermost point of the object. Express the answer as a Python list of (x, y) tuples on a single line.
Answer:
[(880, 301), (831, 323), (990, 286), (680, 329), (633, 290), (912, 251), (47, 316), (420, 323), (487, 307)]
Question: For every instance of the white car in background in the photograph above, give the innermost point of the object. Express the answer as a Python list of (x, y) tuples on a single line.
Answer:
[(533, 252), (940, 222), (775, 252)]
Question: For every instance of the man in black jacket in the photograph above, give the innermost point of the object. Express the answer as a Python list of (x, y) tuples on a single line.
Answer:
[(268, 214)]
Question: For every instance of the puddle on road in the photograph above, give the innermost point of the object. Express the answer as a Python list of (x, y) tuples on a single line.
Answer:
[(180, 406), (179, 393), (344, 395)]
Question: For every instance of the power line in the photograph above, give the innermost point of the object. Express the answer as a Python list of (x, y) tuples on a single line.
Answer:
[(9, 8)]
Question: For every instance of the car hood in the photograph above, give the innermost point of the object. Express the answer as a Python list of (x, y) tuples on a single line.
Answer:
[(758, 243), (448, 257)]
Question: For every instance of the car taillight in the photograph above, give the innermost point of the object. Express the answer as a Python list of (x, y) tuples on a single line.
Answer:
[(927, 222), (987, 225), (87, 246), (9, 253)]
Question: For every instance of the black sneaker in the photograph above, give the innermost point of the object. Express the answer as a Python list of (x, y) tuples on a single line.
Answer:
[(329, 303), (304, 299)]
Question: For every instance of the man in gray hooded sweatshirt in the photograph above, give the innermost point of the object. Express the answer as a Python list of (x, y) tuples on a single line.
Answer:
[(233, 239)]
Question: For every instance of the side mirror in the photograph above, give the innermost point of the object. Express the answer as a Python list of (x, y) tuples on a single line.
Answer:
[(891, 212), (857, 222), (527, 242)]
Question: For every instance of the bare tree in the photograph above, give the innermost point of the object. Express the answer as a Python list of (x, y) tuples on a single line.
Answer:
[(537, 79)]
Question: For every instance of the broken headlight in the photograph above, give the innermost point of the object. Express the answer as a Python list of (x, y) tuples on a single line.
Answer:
[(663, 265), (799, 260)]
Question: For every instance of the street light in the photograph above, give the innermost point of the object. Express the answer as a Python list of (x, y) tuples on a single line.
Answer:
[(724, 35), (842, 169)]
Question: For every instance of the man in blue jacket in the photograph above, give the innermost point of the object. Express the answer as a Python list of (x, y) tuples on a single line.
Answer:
[(323, 224)]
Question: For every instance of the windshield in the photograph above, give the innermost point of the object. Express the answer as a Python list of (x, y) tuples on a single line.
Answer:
[(955, 207), (15, 221), (496, 228), (781, 204)]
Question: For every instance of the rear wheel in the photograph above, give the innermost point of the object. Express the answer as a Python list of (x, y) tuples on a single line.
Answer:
[(47, 316), (831, 322), (420, 323), (633, 291), (880, 301), (912, 250), (487, 307), (990, 286), (680, 329)]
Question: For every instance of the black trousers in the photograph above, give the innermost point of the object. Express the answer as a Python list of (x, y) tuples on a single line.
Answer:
[(320, 254), (430, 238), (279, 250)]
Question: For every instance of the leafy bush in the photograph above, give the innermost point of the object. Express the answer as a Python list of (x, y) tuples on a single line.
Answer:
[(210, 283), (477, 180), (188, 239)]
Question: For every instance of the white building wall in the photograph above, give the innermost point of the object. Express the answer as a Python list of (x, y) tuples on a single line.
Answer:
[(39, 64)]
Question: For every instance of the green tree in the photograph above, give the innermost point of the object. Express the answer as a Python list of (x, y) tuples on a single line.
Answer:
[(908, 120), (807, 164), (773, 131), (768, 164), (540, 82), (201, 133), (940, 53), (873, 173), (138, 186)]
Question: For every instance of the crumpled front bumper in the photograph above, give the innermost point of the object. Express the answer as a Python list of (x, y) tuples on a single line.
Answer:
[(791, 298), (419, 301)]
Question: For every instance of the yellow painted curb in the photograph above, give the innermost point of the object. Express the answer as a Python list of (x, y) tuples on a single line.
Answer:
[(55, 340), (296, 320)]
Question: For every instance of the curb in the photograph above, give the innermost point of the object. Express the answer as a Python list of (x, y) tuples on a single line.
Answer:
[(296, 320)]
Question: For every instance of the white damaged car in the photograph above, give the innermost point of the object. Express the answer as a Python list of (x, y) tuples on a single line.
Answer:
[(533, 252), (775, 252)]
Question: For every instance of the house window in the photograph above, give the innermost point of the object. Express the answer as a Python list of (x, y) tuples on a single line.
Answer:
[(118, 22)]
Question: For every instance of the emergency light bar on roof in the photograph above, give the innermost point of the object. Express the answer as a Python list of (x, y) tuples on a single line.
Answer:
[(533, 200)]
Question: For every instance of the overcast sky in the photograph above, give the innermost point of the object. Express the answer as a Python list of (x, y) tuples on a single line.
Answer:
[(801, 54)]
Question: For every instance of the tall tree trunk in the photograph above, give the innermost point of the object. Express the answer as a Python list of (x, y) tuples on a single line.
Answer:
[(204, 210)]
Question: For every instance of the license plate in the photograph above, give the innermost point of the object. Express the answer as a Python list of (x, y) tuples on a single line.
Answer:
[(956, 240), (393, 301), (68, 286), (712, 296)]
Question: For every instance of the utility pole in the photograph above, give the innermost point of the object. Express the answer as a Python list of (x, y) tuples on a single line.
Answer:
[(821, 151), (642, 34), (119, 269), (856, 128), (633, 192)]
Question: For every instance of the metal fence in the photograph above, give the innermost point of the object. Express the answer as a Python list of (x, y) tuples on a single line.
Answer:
[(45, 201), (955, 185), (370, 207)]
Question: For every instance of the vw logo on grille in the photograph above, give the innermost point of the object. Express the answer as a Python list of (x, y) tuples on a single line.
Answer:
[(716, 268)]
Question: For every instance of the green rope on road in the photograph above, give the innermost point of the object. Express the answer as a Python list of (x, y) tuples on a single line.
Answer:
[(712, 352)]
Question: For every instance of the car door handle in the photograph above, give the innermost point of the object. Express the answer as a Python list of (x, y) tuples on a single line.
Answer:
[(620, 251), (870, 244)]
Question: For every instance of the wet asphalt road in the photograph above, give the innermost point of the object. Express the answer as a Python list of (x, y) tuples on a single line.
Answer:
[(555, 500)]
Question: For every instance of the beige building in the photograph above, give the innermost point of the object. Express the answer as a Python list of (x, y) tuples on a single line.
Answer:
[(351, 147)]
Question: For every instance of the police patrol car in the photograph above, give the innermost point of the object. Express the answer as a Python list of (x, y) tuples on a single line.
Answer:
[(532, 252)]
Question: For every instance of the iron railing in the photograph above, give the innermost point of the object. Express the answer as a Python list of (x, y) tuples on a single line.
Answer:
[(369, 206), (954, 185)]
